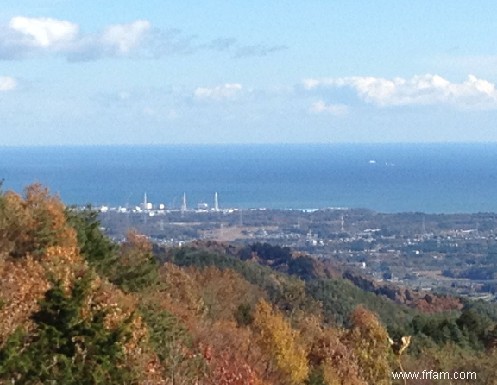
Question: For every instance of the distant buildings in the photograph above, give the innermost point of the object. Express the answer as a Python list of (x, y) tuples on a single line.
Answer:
[(151, 208)]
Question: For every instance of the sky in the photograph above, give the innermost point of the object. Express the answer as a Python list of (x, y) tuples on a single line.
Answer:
[(104, 72)]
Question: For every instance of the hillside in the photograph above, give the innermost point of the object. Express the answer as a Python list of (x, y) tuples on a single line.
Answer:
[(76, 308)]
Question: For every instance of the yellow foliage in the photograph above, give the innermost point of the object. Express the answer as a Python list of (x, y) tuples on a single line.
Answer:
[(280, 343), (370, 343), (327, 352)]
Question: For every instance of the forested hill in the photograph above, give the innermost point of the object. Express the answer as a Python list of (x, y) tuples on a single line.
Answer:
[(76, 308)]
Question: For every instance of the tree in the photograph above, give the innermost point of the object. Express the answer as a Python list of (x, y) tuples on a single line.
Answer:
[(370, 343), (67, 348), (93, 245), (58, 320), (30, 225), (332, 362), (136, 267), (174, 346), (280, 343)]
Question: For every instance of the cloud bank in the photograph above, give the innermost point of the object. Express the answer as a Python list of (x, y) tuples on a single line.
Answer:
[(27, 37), (419, 90)]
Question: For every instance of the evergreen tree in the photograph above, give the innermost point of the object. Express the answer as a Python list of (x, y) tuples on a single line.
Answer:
[(66, 348)]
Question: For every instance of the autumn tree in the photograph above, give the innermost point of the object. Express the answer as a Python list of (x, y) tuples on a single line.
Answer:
[(22, 284), (36, 243), (59, 321), (66, 348), (370, 343), (281, 344), (332, 362), (31, 224)]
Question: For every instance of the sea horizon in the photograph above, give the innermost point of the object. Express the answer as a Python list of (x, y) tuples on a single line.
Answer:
[(458, 177)]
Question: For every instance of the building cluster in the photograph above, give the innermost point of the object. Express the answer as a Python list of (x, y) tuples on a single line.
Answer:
[(153, 209)]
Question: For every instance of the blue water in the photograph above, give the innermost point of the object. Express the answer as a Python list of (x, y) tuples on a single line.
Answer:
[(444, 178)]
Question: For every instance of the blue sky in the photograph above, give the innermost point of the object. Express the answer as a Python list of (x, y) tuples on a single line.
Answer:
[(164, 72)]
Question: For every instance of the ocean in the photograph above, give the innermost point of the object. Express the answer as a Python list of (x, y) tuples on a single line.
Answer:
[(432, 178)]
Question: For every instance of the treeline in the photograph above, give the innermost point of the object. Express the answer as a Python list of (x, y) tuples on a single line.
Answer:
[(76, 308)]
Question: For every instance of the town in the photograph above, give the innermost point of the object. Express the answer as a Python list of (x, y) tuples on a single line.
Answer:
[(447, 253)]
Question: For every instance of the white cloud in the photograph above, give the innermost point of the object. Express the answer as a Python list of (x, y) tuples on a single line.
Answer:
[(44, 32), (7, 83), (26, 36), (228, 91), (123, 38), (419, 90), (333, 109)]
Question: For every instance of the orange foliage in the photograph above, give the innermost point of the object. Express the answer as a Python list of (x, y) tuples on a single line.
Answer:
[(229, 370), (48, 210), (13, 224), (230, 353), (34, 228), (32, 224), (37, 244), (182, 295), (136, 243), (189, 294), (22, 285)]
